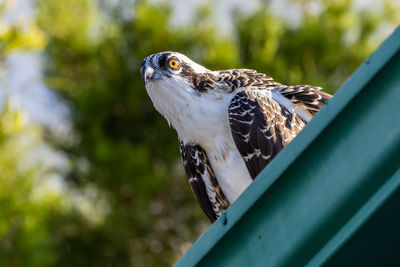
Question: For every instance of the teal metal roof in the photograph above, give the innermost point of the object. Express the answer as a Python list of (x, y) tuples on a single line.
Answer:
[(332, 197)]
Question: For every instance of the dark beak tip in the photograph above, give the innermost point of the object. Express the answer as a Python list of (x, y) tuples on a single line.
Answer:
[(143, 62), (143, 72), (143, 69)]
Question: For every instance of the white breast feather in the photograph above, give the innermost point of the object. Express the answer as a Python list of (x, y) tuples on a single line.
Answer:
[(204, 120)]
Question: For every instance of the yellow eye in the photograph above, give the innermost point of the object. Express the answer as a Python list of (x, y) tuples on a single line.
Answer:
[(173, 63)]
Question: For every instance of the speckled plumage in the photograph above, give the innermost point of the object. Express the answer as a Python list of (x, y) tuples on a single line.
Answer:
[(202, 180), (230, 123)]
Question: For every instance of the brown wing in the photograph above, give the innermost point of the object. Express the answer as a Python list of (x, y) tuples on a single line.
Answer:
[(308, 97), (311, 98), (261, 127), (202, 180), (265, 115)]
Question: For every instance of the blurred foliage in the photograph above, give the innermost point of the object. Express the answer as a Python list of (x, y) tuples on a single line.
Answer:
[(125, 200), (324, 49), (14, 37), (22, 218), (18, 36)]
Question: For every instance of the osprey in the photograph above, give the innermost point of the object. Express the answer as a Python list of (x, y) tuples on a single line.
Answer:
[(230, 123)]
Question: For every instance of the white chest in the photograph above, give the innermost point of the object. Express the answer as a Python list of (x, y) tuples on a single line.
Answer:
[(208, 125), (204, 120), (231, 172)]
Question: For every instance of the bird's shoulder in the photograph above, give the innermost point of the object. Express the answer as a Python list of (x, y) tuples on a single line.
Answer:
[(244, 79)]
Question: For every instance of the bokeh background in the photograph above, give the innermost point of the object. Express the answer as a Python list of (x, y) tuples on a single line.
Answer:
[(89, 172)]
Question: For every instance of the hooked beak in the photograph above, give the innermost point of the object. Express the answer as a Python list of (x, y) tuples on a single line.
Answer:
[(148, 72), (142, 71)]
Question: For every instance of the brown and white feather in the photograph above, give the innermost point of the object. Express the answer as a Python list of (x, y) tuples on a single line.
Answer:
[(202, 180)]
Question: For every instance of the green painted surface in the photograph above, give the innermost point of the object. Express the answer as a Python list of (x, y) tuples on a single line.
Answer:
[(333, 194)]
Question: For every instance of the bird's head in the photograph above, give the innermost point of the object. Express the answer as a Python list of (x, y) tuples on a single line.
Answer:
[(167, 67), (180, 89)]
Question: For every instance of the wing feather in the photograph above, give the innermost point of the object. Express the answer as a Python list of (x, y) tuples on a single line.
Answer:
[(261, 127), (265, 115), (202, 180), (308, 97)]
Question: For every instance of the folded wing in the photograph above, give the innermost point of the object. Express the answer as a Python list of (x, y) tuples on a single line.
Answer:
[(202, 180), (262, 125)]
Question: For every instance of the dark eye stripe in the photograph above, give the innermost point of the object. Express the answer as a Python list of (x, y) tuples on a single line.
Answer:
[(162, 60)]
